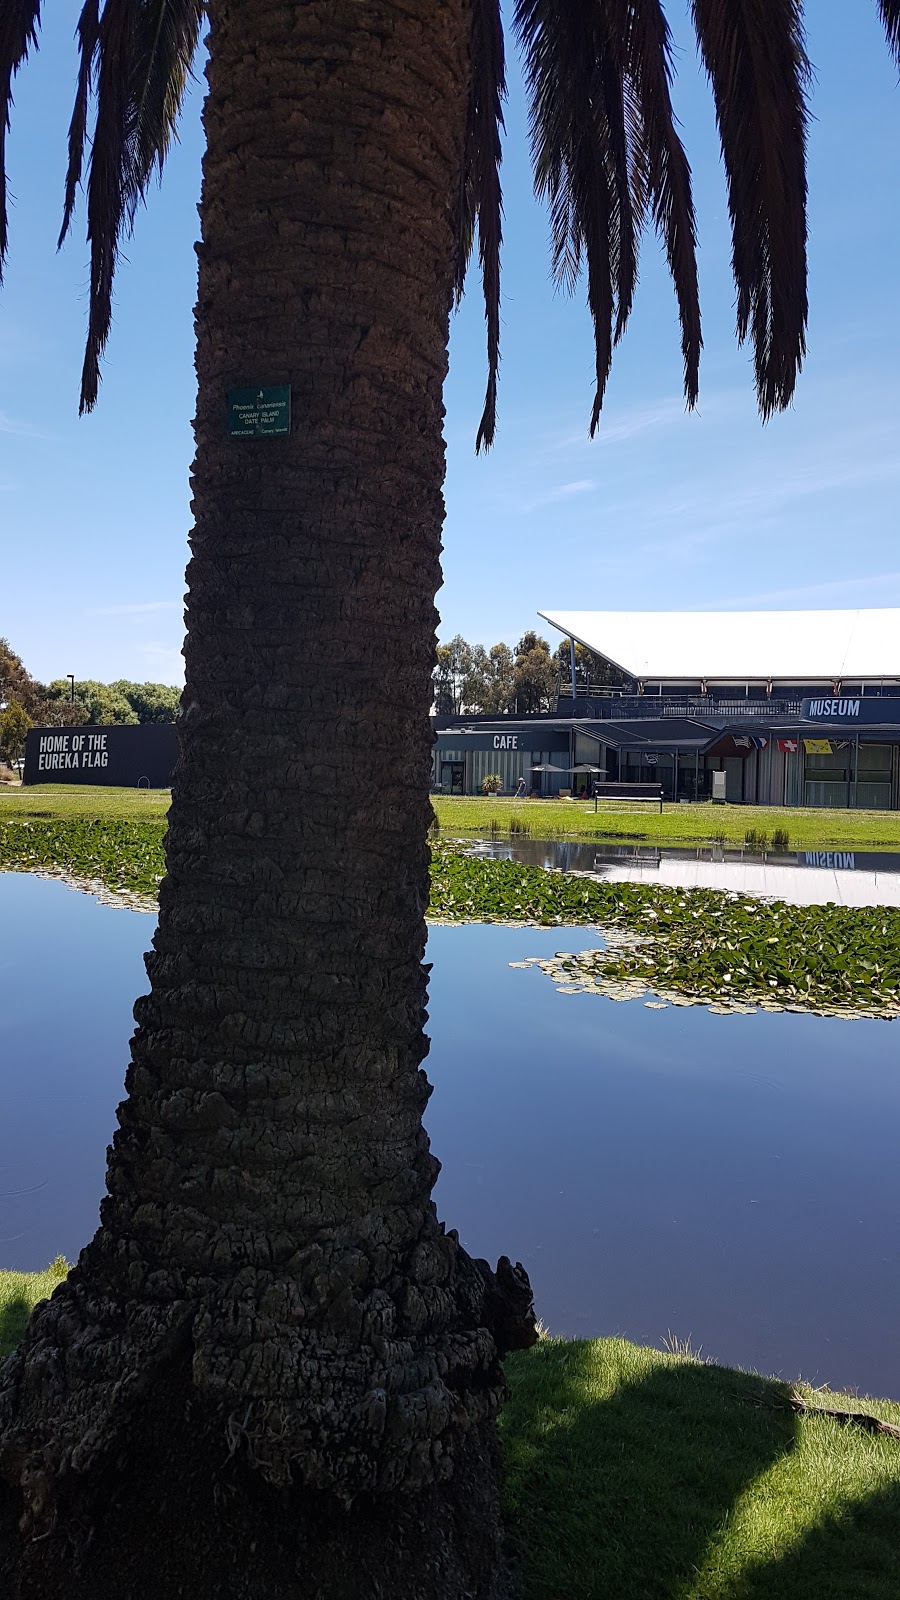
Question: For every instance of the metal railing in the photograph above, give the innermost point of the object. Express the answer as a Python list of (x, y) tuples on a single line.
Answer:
[(614, 707)]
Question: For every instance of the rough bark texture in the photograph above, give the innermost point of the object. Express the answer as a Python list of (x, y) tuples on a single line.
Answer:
[(269, 1253)]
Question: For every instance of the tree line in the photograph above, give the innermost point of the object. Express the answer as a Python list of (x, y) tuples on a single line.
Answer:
[(26, 703), (468, 678), (124, 702)]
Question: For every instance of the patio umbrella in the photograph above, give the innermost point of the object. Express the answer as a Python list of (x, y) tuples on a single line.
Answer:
[(547, 766), (585, 767)]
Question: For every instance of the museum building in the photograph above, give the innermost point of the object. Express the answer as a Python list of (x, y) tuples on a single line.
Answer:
[(795, 708)]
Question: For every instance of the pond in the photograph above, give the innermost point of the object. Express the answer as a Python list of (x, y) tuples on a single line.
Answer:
[(803, 878), (728, 1178)]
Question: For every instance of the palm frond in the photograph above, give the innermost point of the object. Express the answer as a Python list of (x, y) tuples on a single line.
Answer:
[(20, 21), (88, 39), (138, 63), (606, 149), (648, 64), (583, 132), (890, 16), (756, 59), (621, 127), (482, 200)]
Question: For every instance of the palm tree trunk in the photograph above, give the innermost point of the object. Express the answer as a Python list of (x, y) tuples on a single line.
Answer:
[(269, 1254)]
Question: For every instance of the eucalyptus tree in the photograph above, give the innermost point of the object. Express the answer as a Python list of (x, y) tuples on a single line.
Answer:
[(14, 724), (535, 678), (272, 1370)]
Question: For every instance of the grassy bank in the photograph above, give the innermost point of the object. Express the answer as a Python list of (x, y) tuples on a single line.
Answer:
[(633, 1475), (702, 824), (62, 802), (546, 819), (637, 1475), (19, 1294)]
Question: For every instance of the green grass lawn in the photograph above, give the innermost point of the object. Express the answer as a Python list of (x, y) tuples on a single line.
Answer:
[(634, 1475), (637, 1475), (63, 802), (546, 819), (700, 824), (19, 1293)]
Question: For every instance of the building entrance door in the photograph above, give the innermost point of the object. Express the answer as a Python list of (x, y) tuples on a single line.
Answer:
[(452, 777)]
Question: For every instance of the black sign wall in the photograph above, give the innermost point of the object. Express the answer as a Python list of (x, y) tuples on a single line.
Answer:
[(854, 710), (125, 758), (519, 738)]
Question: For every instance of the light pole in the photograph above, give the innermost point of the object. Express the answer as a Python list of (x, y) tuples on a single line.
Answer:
[(71, 678)]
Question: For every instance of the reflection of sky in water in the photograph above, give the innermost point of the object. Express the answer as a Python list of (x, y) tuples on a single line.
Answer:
[(729, 1178)]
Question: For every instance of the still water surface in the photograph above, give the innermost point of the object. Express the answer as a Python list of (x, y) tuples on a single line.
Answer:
[(729, 1178), (804, 878)]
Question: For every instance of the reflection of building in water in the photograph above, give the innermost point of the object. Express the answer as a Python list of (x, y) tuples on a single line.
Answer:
[(837, 860), (795, 708)]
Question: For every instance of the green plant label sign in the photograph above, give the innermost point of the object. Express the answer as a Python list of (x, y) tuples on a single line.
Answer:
[(256, 413)]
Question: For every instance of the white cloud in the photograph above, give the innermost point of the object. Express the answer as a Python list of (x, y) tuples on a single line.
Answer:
[(580, 486), (618, 427), (562, 491), (19, 430)]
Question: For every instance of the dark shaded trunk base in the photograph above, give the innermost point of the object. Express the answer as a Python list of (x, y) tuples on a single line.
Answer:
[(174, 1516)]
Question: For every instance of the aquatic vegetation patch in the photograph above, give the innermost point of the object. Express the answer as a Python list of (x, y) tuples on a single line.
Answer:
[(698, 945), (122, 856), (621, 972)]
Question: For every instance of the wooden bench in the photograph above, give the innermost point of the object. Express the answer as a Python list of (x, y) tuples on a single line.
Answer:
[(628, 791)]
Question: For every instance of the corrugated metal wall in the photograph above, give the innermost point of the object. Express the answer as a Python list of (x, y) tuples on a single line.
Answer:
[(793, 778), (766, 781), (774, 770), (511, 765)]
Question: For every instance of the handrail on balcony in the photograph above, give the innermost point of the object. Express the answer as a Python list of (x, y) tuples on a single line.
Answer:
[(614, 707)]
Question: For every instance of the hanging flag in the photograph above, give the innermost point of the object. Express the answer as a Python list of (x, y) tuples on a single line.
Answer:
[(817, 747), (789, 747), (760, 740)]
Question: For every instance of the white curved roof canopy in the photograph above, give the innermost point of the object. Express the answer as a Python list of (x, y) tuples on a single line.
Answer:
[(796, 646)]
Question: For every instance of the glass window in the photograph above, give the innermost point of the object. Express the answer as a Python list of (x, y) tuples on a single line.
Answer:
[(873, 796), (826, 793), (875, 758), (833, 766)]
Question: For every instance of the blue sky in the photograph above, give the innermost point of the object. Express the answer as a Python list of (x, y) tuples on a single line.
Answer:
[(664, 510)]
